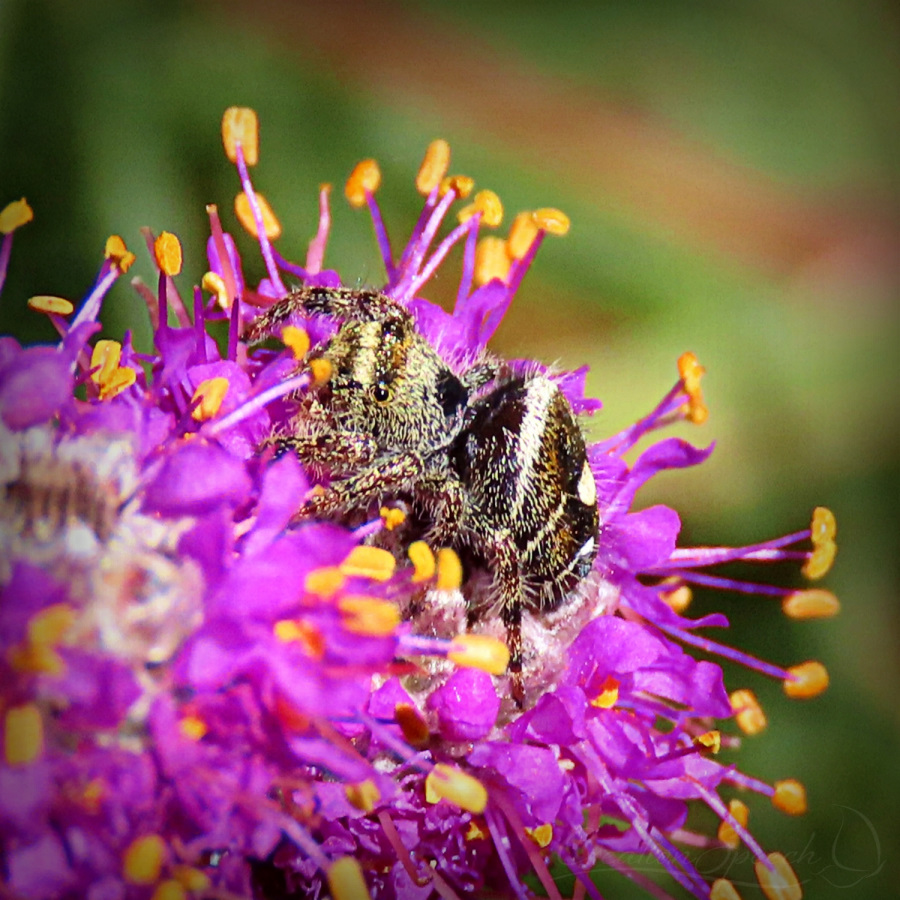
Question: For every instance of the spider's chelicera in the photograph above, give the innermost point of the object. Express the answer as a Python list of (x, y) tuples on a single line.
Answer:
[(488, 462)]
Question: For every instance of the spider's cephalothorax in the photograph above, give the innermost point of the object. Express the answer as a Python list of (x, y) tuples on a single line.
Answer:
[(491, 464)]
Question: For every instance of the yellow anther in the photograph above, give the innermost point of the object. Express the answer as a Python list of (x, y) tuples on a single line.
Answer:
[(491, 260), (691, 372), (488, 204), (445, 782), (240, 125), (297, 339), (120, 255), (609, 694), (824, 526), (709, 740), (291, 718), (780, 883), (364, 179), (14, 215), (810, 680), (479, 651), (790, 797), (106, 355), (111, 378), (299, 631), (35, 658), (167, 250), (23, 734), (449, 570), (678, 599), (345, 880), (414, 727), (369, 562), (46, 303), (192, 727), (461, 185), (50, 624), (423, 561), (747, 712), (475, 832), (208, 397), (192, 878), (727, 834), (522, 233), (820, 560), (92, 796), (823, 530), (723, 889), (321, 370), (143, 859), (170, 889), (244, 213), (363, 795), (392, 517), (369, 615), (212, 283), (814, 603), (542, 835), (553, 221), (325, 581), (434, 166)]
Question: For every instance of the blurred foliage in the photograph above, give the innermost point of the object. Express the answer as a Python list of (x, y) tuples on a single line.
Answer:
[(109, 118)]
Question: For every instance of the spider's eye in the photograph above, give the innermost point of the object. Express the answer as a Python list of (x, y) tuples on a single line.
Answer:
[(382, 392)]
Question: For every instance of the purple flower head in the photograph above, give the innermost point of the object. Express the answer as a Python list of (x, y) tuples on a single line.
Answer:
[(206, 692)]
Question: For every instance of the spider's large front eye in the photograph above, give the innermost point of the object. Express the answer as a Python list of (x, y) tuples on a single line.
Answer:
[(382, 392)]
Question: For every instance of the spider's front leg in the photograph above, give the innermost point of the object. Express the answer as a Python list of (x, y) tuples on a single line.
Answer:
[(358, 491)]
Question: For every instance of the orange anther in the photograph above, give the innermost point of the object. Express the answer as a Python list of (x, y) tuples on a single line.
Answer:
[(553, 221), (449, 570), (727, 834), (461, 185), (491, 260), (779, 883), (814, 603), (810, 680), (790, 797), (747, 712), (240, 125), (244, 212), (522, 233), (434, 166), (120, 255), (167, 250), (364, 180), (414, 727), (423, 561), (488, 204), (297, 339)]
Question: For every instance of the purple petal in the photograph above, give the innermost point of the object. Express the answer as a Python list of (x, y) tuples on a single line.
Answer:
[(195, 480)]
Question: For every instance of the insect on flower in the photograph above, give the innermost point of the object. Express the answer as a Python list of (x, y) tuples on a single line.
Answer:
[(488, 462)]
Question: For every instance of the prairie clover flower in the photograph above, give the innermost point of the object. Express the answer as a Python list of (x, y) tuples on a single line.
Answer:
[(201, 698)]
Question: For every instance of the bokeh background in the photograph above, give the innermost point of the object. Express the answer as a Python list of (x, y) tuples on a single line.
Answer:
[(730, 170)]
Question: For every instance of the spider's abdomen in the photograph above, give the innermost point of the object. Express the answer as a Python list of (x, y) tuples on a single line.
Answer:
[(522, 461)]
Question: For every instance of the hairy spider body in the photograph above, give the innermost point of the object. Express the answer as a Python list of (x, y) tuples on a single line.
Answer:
[(491, 464)]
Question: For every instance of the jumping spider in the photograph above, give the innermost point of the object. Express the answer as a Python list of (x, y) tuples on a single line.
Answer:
[(489, 462)]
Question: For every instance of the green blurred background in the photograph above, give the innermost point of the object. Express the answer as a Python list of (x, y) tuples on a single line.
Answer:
[(731, 174)]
